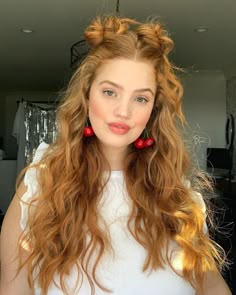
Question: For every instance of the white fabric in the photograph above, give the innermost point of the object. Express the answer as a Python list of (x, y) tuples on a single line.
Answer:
[(121, 272), (30, 180)]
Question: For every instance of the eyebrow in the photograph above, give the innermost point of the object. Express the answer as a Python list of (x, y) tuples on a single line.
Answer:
[(120, 87)]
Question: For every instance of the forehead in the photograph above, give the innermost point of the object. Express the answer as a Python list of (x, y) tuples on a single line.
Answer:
[(128, 73)]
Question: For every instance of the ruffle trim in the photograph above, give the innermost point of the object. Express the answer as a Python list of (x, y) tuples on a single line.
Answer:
[(30, 180)]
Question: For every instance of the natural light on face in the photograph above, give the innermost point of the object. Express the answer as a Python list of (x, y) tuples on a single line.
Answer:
[(121, 101)]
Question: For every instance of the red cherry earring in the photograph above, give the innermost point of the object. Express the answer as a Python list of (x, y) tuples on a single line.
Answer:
[(144, 141), (88, 130)]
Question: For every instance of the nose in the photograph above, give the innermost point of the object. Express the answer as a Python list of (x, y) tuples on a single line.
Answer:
[(123, 109)]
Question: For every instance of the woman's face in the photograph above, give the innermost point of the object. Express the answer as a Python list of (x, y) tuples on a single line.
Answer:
[(121, 100)]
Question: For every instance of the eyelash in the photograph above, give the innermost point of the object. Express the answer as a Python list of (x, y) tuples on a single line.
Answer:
[(109, 91), (144, 99)]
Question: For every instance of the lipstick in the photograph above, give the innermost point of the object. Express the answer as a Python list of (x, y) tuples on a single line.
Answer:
[(119, 128)]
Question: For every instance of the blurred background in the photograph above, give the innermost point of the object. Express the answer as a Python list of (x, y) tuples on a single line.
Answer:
[(41, 39)]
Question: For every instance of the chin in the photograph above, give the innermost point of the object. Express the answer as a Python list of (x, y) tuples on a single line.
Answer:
[(115, 145)]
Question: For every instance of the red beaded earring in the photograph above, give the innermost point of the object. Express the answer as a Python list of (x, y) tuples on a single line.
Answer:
[(144, 141), (88, 130)]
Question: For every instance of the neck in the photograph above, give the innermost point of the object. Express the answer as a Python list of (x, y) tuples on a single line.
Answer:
[(115, 157)]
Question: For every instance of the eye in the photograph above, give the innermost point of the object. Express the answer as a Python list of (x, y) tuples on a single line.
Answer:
[(109, 92), (141, 99)]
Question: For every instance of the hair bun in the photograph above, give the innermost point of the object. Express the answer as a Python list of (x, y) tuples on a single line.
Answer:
[(105, 28), (155, 36)]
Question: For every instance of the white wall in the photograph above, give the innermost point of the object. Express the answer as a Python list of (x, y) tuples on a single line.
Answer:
[(204, 105)]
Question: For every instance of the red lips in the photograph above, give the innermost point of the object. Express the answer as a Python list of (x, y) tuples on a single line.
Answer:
[(119, 128)]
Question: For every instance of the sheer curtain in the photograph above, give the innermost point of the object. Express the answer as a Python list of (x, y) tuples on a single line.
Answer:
[(34, 123)]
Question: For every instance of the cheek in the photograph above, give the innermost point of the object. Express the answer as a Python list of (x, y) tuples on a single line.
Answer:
[(142, 119), (95, 111)]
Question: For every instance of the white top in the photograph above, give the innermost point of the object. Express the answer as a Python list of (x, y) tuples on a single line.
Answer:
[(121, 272)]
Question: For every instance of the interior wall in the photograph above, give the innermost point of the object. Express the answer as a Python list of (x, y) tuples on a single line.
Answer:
[(204, 105), (2, 116)]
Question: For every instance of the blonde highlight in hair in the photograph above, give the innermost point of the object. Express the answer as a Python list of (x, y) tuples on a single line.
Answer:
[(72, 182)]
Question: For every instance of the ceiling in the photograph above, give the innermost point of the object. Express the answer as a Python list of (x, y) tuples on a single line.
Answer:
[(41, 60)]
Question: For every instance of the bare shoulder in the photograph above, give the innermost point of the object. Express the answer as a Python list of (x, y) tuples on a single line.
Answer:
[(11, 230)]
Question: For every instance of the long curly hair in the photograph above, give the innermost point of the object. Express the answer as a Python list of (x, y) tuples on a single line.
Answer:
[(71, 179)]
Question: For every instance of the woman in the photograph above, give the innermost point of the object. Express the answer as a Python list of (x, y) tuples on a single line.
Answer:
[(109, 207)]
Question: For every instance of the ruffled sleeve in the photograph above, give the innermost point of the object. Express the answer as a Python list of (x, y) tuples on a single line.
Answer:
[(31, 182), (197, 197)]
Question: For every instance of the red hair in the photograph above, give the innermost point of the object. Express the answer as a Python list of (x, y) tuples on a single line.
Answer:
[(71, 185)]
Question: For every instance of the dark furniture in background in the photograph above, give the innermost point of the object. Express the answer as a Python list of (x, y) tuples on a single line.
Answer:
[(220, 162), (225, 214)]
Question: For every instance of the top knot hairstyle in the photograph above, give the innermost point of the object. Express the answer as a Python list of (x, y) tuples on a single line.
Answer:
[(103, 30), (127, 38), (100, 29), (72, 181)]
